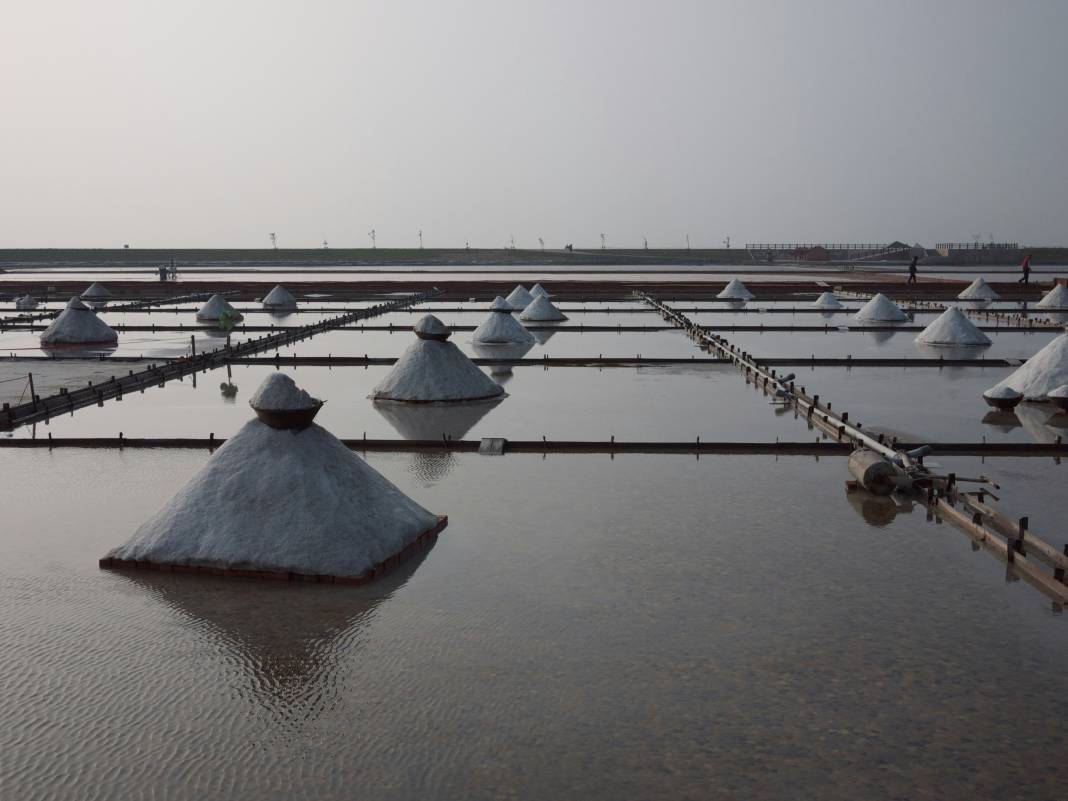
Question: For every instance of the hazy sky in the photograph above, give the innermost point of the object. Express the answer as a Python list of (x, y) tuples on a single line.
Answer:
[(186, 123)]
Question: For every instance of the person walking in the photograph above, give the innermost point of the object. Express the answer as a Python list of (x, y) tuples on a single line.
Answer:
[(1026, 268), (912, 269)]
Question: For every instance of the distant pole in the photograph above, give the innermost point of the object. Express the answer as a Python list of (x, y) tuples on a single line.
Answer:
[(645, 243), (420, 238), (727, 242), (603, 242), (326, 245), (542, 243), (374, 242), (512, 240), (687, 241), (33, 393), (274, 240)]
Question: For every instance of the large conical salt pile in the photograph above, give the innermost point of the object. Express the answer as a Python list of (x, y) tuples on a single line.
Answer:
[(735, 290), (433, 370), (78, 325), (519, 298), (281, 501), (1056, 298), (951, 327), (537, 290), (1045, 371), (827, 301), (96, 291), (880, 309), (978, 289), (542, 310), (501, 328), (215, 308), (279, 298)]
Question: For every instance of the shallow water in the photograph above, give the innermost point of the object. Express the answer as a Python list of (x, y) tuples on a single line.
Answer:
[(585, 628), (1006, 344), (561, 403), (933, 404)]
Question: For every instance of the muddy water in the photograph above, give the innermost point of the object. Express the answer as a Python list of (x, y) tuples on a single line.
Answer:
[(642, 627)]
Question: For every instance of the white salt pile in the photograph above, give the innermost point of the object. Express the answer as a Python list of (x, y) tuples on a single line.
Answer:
[(279, 392), (433, 370), (279, 298), (1056, 298), (978, 289), (827, 301), (1002, 397), (1043, 372), (78, 325), (735, 290), (519, 298), (500, 328), (538, 290), (880, 309), (26, 302), (215, 308), (542, 310), (96, 291), (284, 501), (951, 327), (1059, 396)]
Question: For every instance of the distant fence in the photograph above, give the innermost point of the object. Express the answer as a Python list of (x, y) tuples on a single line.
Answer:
[(977, 246), (824, 245)]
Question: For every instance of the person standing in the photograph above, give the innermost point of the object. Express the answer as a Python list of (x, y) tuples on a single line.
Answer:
[(1026, 268), (912, 269)]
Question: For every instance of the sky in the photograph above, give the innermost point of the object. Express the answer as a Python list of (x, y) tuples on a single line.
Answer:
[(212, 124)]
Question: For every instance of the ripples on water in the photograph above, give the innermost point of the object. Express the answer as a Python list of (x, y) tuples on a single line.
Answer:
[(731, 627)]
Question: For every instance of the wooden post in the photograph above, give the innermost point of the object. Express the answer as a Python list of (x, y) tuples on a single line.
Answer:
[(33, 395)]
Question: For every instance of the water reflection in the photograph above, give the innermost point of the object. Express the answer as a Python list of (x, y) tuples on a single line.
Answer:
[(501, 373), (1035, 418), (542, 335), (952, 372), (1003, 421), (285, 641), (878, 511), (434, 422)]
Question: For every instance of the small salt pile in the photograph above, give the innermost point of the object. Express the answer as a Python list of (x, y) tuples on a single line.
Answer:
[(279, 499), (279, 298), (538, 290), (96, 291), (1043, 372), (279, 392), (434, 370), (25, 302), (978, 289), (215, 308), (735, 290), (951, 327), (500, 328), (1058, 396), (78, 325), (542, 310), (880, 309), (827, 301), (1056, 298), (1003, 398), (519, 298)]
